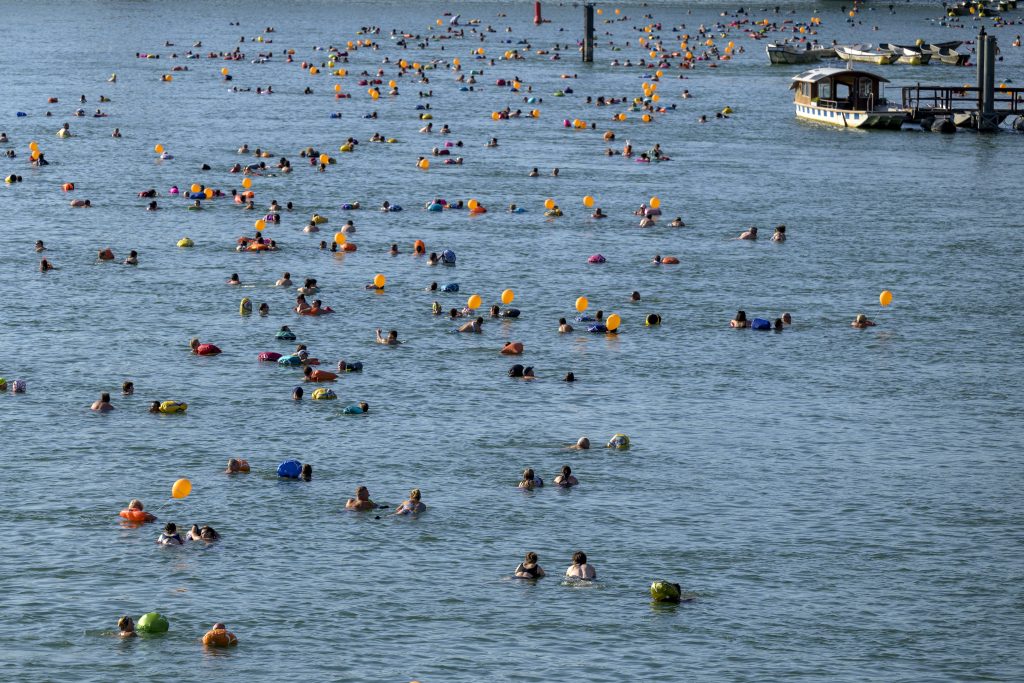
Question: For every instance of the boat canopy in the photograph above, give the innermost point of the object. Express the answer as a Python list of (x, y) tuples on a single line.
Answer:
[(821, 73)]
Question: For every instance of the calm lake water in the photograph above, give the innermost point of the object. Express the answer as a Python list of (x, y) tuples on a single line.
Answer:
[(843, 504)]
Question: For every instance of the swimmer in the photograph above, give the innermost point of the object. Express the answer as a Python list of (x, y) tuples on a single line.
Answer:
[(127, 388), (512, 348), (312, 375), (170, 536), (307, 472), (580, 569), (566, 479), (390, 340), (136, 504), (233, 280), (598, 213), (103, 404), (473, 326), (154, 407), (393, 251), (356, 408), (301, 307), (236, 466), (740, 321), (861, 321), (634, 297), (582, 444), (105, 254), (433, 259), (646, 222), (787, 319), (778, 325), (569, 377), (530, 480), (554, 173), (780, 234), (362, 502), (412, 506), (116, 133), (133, 258), (677, 222), (297, 394), (80, 203), (40, 246), (750, 234), (264, 309), (534, 173), (126, 626), (152, 206), (563, 326), (528, 568)]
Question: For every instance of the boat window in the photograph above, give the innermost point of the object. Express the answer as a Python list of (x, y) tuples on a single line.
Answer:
[(842, 91), (865, 87), (825, 90), (805, 89)]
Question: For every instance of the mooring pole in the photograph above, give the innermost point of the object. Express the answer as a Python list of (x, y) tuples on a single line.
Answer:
[(588, 33), (536, 13), (980, 48), (990, 76)]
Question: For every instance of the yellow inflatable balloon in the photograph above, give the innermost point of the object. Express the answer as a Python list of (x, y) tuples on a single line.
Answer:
[(495, 116), (247, 183), (646, 118), (379, 280), (159, 149), (507, 296), (549, 203), (34, 146), (655, 202), (474, 302), (472, 204), (339, 238), (224, 71), (582, 304), (588, 201), (181, 488), (391, 84), (195, 187), (424, 164), (621, 117), (885, 298), (208, 192), (613, 322), (260, 224), (324, 159), (337, 87)]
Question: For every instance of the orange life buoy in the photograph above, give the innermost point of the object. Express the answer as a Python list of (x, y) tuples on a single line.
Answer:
[(219, 637), (67, 187), (322, 376), (348, 246), (669, 259), (419, 247), (134, 515)]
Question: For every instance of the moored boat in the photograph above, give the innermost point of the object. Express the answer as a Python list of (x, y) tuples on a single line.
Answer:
[(865, 53), (791, 54), (908, 54), (844, 97)]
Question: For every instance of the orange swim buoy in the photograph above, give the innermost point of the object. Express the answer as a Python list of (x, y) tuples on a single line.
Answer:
[(243, 465), (419, 247), (478, 209), (513, 349), (322, 376), (67, 187), (134, 515), (669, 259), (348, 246), (219, 637)]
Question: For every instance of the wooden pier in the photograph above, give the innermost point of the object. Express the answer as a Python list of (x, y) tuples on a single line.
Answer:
[(961, 105)]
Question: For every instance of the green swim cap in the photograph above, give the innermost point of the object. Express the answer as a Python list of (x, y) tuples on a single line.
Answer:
[(153, 622), (663, 591)]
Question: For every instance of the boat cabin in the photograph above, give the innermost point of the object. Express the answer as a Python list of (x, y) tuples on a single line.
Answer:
[(833, 88)]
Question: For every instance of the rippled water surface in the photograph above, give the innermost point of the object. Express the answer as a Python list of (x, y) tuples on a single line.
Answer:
[(843, 504)]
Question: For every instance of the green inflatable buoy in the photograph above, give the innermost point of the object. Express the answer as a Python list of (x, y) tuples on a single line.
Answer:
[(153, 622), (663, 591)]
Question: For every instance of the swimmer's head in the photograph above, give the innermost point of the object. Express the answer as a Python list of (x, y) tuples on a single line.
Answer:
[(126, 623), (364, 406), (528, 474), (219, 626), (414, 495), (579, 557), (566, 471), (170, 528), (583, 443), (569, 377), (307, 472), (635, 296), (861, 318), (297, 394), (135, 504)]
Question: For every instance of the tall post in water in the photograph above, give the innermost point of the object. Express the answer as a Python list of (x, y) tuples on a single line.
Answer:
[(980, 48), (990, 76), (588, 33), (536, 13)]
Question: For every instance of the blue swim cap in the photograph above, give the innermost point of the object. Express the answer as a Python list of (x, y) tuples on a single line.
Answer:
[(289, 469)]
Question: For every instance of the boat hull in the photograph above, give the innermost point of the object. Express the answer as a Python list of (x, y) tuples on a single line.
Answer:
[(870, 58), (850, 118), (778, 54)]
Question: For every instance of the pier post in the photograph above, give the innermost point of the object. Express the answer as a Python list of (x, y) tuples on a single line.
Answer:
[(980, 48), (536, 13), (986, 118), (588, 33)]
